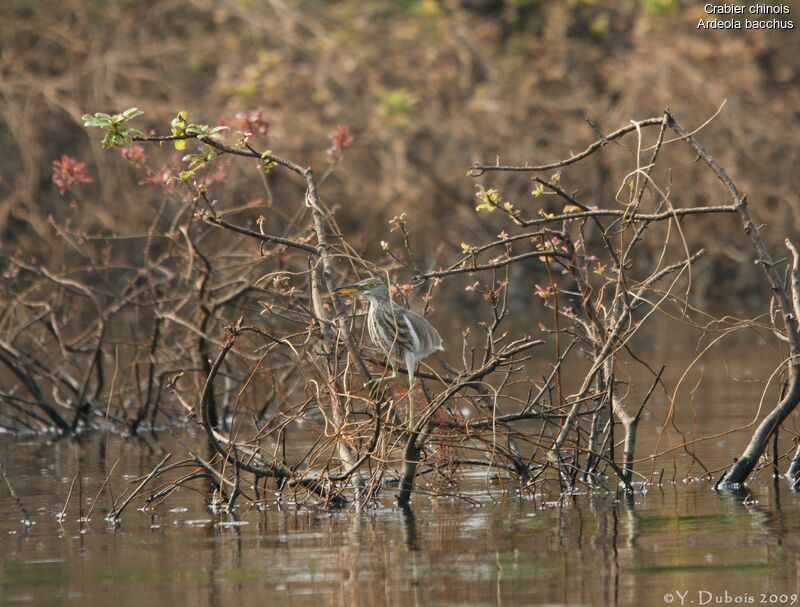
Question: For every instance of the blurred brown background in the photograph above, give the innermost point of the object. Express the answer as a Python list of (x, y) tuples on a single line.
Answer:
[(426, 87)]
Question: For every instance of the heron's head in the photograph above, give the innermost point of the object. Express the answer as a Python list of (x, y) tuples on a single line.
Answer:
[(369, 287)]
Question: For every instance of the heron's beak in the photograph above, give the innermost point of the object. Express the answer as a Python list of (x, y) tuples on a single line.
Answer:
[(348, 290)]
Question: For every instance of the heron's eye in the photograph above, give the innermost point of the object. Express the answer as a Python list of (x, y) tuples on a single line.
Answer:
[(371, 284)]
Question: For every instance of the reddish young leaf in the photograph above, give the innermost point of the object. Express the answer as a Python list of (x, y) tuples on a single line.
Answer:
[(68, 173)]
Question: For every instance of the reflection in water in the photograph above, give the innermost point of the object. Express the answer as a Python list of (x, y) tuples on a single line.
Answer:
[(410, 528), (589, 549)]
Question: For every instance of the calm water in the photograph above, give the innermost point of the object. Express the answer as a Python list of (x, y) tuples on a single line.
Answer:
[(593, 549)]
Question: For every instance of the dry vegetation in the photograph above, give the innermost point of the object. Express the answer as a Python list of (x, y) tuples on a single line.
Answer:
[(150, 286)]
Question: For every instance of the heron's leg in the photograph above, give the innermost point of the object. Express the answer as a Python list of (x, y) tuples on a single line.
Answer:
[(410, 420), (410, 361)]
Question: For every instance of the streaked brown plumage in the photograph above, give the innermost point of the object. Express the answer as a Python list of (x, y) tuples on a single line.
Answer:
[(402, 335)]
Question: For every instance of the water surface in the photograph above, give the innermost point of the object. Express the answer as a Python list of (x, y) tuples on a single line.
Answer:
[(589, 549)]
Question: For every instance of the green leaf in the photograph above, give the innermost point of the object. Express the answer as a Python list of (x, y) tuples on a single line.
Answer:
[(179, 122), (115, 133), (132, 112), (266, 163), (179, 129), (490, 199)]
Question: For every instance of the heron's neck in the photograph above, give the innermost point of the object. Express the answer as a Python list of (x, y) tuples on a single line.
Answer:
[(380, 303)]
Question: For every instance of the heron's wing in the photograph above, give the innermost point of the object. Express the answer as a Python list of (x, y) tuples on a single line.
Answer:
[(427, 339)]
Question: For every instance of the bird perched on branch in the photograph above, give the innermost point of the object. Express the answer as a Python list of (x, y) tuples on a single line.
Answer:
[(402, 335)]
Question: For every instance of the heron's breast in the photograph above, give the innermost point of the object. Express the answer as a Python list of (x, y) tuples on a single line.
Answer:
[(392, 338)]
